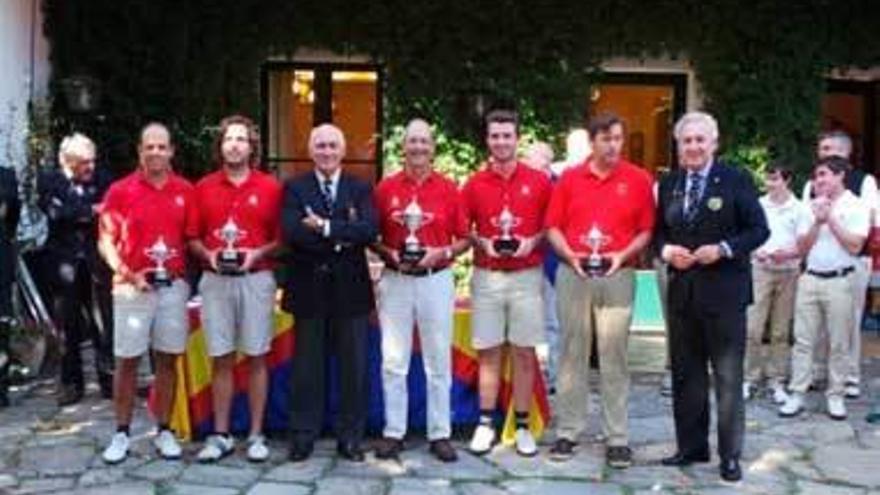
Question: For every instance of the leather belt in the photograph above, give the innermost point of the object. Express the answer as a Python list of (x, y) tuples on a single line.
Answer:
[(419, 272), (840, 272)]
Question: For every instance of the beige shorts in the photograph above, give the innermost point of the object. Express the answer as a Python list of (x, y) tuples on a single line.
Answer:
[(155, 318), (238, 312), (508, 301)]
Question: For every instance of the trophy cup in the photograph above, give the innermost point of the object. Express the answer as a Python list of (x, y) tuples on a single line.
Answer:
[(506, 244), (159, 253), (595, 265), (230, 259), (413, 218)]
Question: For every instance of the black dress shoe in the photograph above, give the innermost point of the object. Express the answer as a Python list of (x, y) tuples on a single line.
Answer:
[(680, 460), (730, 470), (350, 451), (388, 448), (299, 452), (70, 394)]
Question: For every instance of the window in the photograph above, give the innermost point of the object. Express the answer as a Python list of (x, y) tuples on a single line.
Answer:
[(299, 96)]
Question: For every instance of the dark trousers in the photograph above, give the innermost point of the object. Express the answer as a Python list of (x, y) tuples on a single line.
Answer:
[(82, 308), (696, 340), (347, 339)]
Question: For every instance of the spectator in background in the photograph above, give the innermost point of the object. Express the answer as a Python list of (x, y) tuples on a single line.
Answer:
[(775, 270), (864, 186), (79, 279), (831, 240), (539, 155)]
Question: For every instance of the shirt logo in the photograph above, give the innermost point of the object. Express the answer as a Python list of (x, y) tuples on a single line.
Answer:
[(622, 189), (525, 190), (395, 202), (178, 200), (252, 200)]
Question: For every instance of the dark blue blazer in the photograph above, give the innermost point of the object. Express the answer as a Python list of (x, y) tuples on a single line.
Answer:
[(729, 211), (328, 276)]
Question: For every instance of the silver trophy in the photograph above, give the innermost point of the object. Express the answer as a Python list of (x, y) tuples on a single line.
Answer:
[(230, 259), (159, 253), (595, 265), (413, 218), (506, 244)]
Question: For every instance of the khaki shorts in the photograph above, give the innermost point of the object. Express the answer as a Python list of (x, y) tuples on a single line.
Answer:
[(507, 300), (238, 312), (155, 318)]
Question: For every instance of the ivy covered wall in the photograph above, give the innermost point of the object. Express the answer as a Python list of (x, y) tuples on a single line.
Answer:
[(761, 63)]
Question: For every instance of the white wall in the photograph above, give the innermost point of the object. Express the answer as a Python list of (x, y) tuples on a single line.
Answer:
[(24, 76)]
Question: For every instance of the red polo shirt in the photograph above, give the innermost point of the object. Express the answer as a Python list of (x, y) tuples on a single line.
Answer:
[(437, 196), (525, 193), (254, 206), (621, 205), (136, 214)]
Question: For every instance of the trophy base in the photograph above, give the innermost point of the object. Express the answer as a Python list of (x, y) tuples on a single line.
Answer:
[(159, 279), (506, 247), (594, 267), (230, 263), (412, 256)]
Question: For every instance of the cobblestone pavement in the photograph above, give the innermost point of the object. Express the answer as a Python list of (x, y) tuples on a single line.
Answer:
[(44, 449)]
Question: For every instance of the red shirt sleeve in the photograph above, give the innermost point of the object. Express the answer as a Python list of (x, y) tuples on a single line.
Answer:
[(647, 215), (274, 221), (191, 215), (458, 216), (467, 206), (556, 207), (110, 219)]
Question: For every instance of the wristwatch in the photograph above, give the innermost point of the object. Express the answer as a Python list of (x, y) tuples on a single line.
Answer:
[(447, 252)]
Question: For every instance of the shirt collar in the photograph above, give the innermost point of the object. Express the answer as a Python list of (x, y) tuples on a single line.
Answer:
[(334, 178), (704, 172)]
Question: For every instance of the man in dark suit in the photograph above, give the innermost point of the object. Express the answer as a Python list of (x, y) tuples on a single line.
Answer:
[(708, 222), (327, 221), (10, 207), (79, 279)]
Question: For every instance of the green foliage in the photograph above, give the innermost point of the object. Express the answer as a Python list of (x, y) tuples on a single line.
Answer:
[(761, 63)]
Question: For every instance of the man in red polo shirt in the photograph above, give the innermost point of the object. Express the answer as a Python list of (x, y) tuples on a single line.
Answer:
[(599, 219), (239, 209), (143, 225), (423, 229), (505, 203)]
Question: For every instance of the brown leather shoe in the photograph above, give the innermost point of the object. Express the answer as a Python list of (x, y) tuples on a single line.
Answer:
[(443, 450), (388, 448)]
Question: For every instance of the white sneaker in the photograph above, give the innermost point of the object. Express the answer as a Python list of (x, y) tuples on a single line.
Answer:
[(793, 406), (525, 443), (117, 451), (483, 439), (779, 393), (216, 447), (167, 446), (747, 390), (257, 450), (851, 390), (836, 408)]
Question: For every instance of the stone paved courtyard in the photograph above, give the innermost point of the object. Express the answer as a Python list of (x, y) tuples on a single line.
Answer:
[(44, 449)]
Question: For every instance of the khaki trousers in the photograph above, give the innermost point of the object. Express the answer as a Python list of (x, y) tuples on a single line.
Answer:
[(603, 305), (774, 292), (822, 302)]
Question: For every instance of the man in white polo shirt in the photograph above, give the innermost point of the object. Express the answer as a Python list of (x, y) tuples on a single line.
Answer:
[(775, 269), (864, 186), (831, 242)]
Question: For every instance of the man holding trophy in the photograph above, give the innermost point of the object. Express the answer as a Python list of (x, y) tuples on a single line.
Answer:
[(143, 228), (423, 229), (600, 218), (239, 209), (505, 204)]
